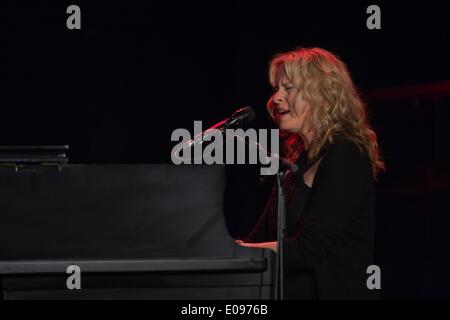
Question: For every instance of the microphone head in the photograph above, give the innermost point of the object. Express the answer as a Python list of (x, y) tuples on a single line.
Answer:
[(250, 113), (243, 116)]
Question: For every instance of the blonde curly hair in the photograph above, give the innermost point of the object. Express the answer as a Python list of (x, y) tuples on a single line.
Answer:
[(324, 83)]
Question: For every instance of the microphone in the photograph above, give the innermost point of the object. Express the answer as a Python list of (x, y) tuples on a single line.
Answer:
[(239, 118)]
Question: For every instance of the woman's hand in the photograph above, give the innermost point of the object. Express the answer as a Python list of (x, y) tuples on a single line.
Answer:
[(263, 245)]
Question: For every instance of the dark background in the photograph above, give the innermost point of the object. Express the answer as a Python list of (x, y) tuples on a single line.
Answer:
[(116, 89)]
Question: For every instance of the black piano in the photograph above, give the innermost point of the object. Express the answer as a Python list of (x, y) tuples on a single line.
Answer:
[(135, 232)]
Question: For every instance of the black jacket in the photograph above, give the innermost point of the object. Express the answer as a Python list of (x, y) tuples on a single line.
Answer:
[(330, 227)]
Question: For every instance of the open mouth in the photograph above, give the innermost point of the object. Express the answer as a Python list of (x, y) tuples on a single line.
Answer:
[(282, 112)]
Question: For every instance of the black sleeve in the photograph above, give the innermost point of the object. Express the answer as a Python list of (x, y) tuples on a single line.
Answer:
[(339, 186)]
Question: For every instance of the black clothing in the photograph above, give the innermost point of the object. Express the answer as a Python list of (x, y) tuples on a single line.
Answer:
[(330, 227)]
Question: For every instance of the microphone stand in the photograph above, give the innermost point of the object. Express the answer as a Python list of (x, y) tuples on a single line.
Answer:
[(281, 209), (281, 229), (281, 221)]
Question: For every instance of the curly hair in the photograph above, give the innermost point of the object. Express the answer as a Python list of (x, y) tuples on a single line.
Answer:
[(325, 85)]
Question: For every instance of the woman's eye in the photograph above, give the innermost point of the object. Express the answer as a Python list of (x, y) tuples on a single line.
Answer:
[(275, 89)]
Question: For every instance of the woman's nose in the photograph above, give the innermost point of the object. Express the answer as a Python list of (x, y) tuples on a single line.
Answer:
[(278, 98)]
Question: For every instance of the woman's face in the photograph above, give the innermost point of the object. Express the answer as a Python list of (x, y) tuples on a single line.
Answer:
[(284, 100)]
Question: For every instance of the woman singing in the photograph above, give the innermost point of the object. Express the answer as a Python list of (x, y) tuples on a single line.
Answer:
[(330, 214)]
